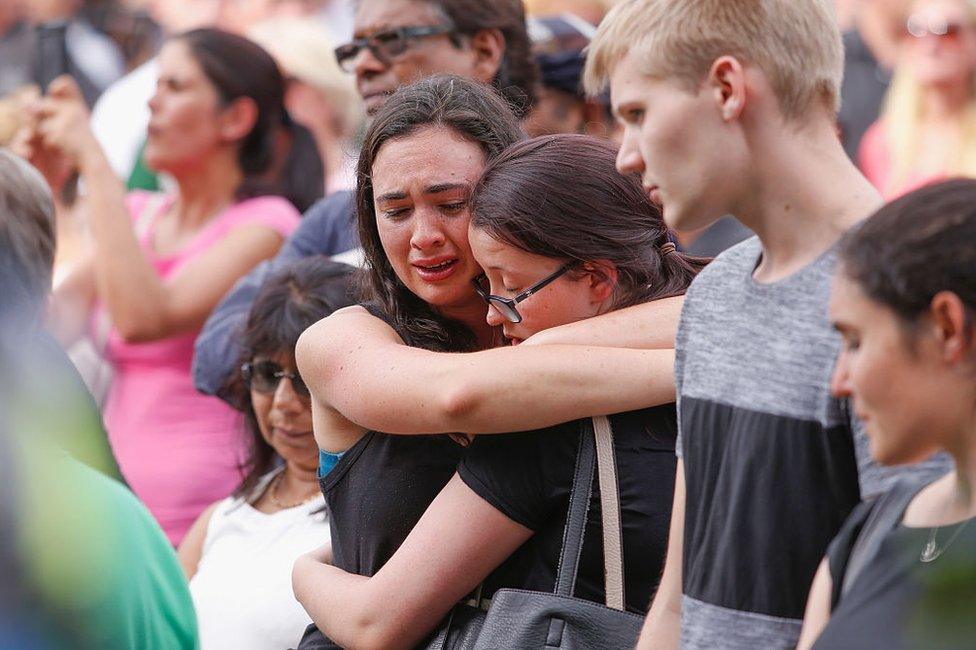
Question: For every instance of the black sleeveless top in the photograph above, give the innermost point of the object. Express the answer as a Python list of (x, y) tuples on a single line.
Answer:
[(377, 493), (897, 601)]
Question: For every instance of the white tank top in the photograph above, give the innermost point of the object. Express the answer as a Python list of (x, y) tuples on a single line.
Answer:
[(242, 587)]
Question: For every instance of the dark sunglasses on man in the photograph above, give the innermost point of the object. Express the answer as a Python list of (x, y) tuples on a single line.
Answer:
[(264, 377), (507, 306), (386, 45)]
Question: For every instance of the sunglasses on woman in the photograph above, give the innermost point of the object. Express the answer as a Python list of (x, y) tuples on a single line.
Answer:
[(922, 26), (507, 306), (264, 377)]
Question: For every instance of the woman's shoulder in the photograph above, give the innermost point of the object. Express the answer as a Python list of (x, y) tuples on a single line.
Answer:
[(274, 212)]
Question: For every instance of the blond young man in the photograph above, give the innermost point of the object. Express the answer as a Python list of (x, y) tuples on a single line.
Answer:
[(729, 106)]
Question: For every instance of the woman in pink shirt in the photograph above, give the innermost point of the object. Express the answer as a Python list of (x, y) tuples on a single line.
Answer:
[(160, 263), (927, 131)]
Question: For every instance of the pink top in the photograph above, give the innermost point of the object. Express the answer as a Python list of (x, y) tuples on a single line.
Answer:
[(876, 163), (179, 450)]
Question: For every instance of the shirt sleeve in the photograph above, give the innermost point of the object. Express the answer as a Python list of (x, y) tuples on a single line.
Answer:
[(217, 348), (519, 474), (680, 345)]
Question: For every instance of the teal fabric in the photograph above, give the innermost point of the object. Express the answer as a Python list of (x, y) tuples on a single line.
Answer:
[(327, 461)]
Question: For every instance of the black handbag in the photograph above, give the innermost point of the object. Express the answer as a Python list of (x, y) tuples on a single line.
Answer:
[(529, 619)]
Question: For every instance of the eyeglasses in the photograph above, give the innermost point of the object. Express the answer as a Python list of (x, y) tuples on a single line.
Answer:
[(920, 27), (387, 45), (264, 377), (506, 306)]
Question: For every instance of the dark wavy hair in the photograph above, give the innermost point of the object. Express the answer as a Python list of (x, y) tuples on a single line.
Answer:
[(476, 113), (288, 304), (561, 196), (278, 156), (517, 75), (915, 247)]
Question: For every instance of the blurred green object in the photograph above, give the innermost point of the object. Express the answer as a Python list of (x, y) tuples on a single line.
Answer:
[(946, 612), (141, 177), (96, 562), (60, 406)]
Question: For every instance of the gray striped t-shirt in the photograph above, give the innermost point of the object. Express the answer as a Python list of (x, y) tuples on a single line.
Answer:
[(773, 462)]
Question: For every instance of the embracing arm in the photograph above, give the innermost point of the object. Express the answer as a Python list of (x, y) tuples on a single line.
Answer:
[(662, 627), (647, 326), (817, 614), (356, 364), (453, 548)]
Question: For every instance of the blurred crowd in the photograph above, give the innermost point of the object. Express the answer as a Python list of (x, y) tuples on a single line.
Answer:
[(200, 452)]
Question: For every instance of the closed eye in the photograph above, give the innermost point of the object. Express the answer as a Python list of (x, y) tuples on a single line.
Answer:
[(453, 207), (396, 214)]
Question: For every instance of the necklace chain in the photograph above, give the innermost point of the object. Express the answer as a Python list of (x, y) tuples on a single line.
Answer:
[(273, 493), (932, 552)]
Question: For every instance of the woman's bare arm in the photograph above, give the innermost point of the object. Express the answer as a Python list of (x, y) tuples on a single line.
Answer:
[(142, 306), (648, 326), (817, 614), (453, 548), (662, 627), (356, 364), (191, 548)]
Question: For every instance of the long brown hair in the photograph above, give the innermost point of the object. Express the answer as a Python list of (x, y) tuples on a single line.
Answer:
[(476, 113), (560, 196)]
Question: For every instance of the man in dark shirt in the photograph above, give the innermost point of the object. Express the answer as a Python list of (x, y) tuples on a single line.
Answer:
[(395, 42)]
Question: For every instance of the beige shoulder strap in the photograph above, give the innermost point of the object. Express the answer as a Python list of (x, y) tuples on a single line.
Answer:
[(613, 553)]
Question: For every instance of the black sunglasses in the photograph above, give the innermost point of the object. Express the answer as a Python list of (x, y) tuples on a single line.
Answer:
[(264, 377), (387, 45), (506, 306)]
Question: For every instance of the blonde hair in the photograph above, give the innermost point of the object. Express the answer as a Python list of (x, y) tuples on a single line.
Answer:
[(304, 51), (796, 43), (901, 115)]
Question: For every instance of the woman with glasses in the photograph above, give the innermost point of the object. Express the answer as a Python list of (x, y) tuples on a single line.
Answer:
[(927, 129), (385, 367), (901, 573), (238, 555), (562, 237)]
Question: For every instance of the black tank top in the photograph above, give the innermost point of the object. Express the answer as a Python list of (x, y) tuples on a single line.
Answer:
[(381, 486), (377, 492)]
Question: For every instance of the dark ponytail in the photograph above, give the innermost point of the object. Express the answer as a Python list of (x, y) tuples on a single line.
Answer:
[(560, 196), (277, 156)]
